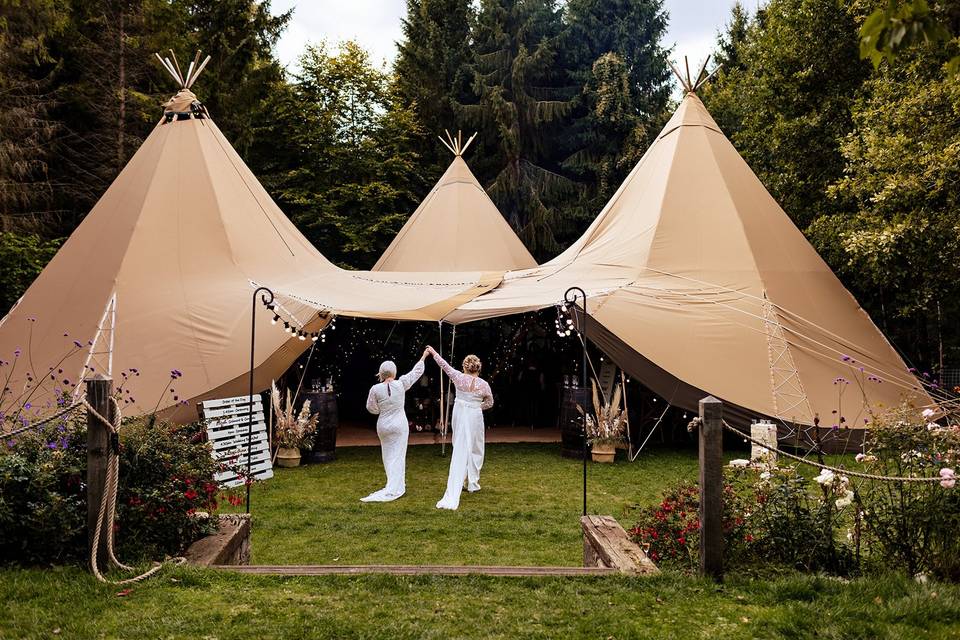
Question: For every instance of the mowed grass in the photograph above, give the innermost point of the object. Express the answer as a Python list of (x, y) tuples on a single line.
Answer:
[(195, 603), (527, 512)]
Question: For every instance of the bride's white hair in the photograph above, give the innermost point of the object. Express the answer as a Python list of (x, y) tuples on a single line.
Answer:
[(387, 370)]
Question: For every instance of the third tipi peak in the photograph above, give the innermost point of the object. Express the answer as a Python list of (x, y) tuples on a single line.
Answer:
[(456, 145)]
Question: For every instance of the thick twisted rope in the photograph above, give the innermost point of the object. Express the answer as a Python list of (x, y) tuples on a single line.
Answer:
[(108, 504), (36, 425), (846, 472)]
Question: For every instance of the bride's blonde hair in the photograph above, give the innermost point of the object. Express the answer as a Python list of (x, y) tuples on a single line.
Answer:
[(471, 364)]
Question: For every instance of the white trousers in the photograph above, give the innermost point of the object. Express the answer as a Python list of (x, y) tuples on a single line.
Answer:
[(467, 457)]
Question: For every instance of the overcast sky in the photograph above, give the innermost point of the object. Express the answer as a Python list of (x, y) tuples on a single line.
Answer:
[(375, 24)]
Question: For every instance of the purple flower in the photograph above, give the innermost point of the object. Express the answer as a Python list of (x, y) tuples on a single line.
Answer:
[(77, 344), (17, 352), (28, 406), (846, 358), (11, 443)]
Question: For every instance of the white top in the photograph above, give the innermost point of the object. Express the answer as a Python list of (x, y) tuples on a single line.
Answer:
[(386, 398)]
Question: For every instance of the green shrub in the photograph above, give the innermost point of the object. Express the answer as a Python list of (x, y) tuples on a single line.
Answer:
[(911, 525), (166, 475)]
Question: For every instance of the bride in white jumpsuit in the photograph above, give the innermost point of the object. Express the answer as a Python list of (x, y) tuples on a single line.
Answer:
[(386, 400), (473, 398)]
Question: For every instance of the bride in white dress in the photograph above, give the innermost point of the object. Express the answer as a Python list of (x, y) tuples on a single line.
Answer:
[(473, 398), (386, 400)]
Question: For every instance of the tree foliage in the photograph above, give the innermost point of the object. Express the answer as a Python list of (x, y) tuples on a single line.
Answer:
[(348, 178), (432, 70)]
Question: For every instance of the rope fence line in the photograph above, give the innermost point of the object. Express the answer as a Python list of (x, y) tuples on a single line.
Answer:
[(838, 470), (36, 425)]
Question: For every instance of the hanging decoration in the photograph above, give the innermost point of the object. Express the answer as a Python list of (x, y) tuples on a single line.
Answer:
[(292, 326), (564, 322)]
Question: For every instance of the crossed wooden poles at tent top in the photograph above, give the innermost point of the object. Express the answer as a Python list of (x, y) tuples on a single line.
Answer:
[(691, 84), (456, 145), (193, 71)]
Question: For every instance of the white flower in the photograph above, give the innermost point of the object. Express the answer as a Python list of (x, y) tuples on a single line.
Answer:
[(860, 457), (739, 462), (845, 500), (825, 477), (948, 478), (928, 413), (765, 475)]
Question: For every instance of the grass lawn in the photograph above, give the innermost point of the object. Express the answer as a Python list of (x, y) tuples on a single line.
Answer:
[(526, 514)]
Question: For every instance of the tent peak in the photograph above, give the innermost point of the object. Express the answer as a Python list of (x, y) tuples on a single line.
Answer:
[(184, 104), (690, 83), (456, 145)]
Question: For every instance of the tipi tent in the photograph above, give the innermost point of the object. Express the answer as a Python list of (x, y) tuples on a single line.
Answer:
[(456, 228), (156, 283), (697, 282)]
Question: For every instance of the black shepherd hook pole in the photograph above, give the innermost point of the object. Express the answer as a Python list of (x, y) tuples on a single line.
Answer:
[(570, 297), (253, 342)]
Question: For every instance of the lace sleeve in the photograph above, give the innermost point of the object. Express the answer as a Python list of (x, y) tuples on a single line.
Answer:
[(408, 379), (487, 395), (458, 377), (373, 406)]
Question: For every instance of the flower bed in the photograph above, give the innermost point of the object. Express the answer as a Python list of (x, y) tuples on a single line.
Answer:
[(166, 476), (833, 522)]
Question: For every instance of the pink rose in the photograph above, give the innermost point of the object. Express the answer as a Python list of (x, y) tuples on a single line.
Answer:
[(947, 478)]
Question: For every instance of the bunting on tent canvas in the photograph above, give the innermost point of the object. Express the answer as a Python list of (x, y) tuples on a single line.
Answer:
[(456, 227), (699, 283), (156, 283)]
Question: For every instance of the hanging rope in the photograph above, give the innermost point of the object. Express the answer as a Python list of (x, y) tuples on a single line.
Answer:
[(443, 406), (108, 503), (453, 343), (853, 474)]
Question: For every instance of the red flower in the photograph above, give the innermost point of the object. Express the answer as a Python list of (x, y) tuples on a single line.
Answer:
[(210, 488), (749, 538), (235, 500), (682, 540), (190, 494)]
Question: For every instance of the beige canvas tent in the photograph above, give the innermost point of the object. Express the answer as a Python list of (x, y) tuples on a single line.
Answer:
[(456, 228), (160, 274), (698, 282)]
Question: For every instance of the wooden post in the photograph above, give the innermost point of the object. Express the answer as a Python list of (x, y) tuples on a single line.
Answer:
[(99, 389), (711, 488)]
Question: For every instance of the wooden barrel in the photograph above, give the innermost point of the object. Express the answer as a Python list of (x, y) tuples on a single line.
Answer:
[(323, 404), (571, 421)]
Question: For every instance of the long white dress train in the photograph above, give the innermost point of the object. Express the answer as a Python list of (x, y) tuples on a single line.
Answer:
[(386, 399), (473, 398)]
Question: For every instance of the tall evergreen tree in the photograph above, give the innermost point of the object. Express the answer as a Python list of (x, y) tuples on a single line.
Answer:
[(523, 100), (239, 36), (27, 65), (614, 54), (432, 69)]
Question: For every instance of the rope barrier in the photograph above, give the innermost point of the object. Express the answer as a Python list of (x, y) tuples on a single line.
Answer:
[(37, 425), (846, 472), (108, 505)]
